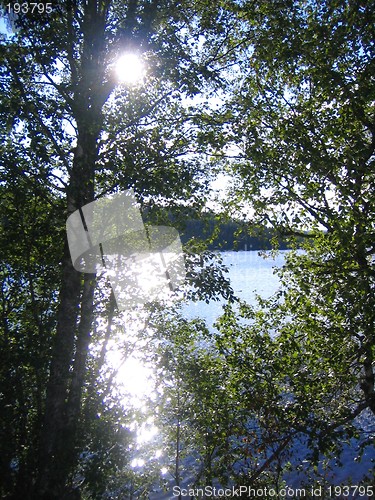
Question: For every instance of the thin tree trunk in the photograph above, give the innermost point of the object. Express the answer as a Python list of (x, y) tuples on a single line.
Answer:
[(178, 443)]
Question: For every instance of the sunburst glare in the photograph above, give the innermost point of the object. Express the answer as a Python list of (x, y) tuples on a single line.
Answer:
[(130, 68)]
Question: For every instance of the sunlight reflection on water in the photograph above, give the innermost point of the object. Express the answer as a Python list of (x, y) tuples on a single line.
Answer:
[(135, 381)]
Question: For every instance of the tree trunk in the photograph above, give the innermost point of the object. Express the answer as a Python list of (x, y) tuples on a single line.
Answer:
[(57, 454), (50, 473)]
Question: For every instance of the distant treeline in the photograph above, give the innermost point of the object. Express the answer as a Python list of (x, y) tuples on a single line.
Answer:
[(229, 235)]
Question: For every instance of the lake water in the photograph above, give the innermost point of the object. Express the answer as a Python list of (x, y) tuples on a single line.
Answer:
[(250, 273)]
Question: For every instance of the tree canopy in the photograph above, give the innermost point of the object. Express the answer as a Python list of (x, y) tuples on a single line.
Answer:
[(279, 98)]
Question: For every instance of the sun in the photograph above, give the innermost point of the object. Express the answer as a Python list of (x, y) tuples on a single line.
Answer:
[(129, 68)]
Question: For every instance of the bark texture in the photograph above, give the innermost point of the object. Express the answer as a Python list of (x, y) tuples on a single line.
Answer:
[(57, 456)]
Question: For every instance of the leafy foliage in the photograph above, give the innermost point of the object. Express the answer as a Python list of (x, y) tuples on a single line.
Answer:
[(278, 96)]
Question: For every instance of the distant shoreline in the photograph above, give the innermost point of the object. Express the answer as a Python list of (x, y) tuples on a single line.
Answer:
[(230, 235)]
